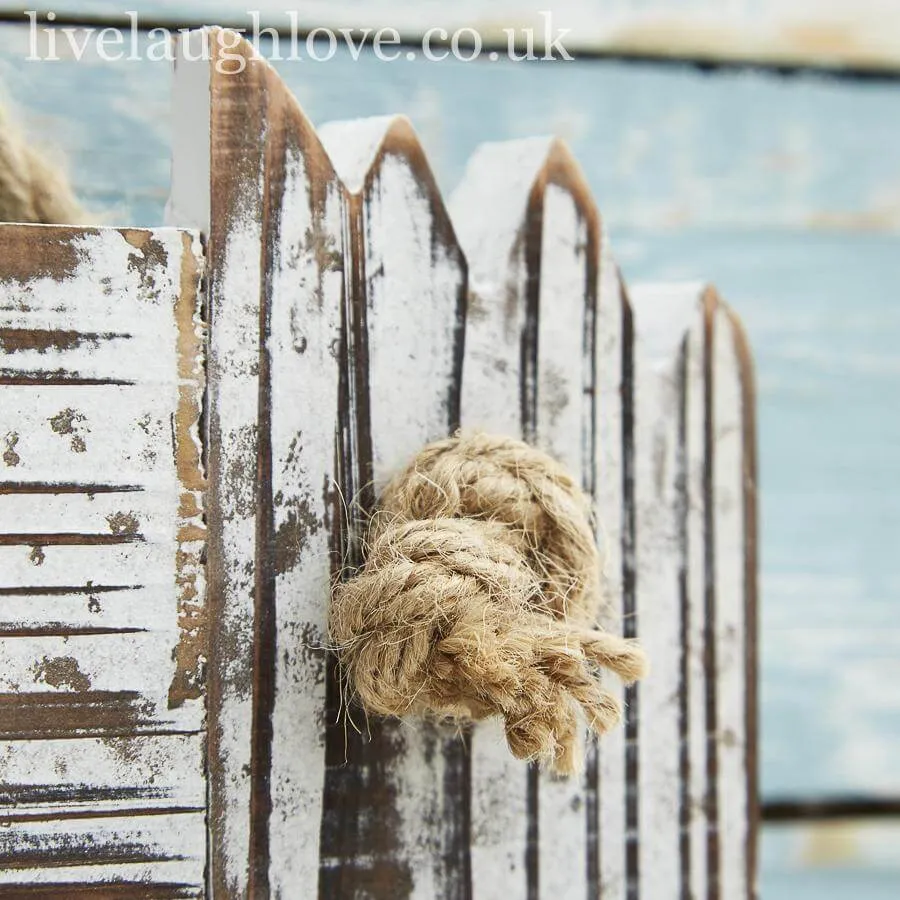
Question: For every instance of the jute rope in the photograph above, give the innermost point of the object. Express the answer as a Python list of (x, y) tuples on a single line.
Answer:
[(478, 598), (32, 188)]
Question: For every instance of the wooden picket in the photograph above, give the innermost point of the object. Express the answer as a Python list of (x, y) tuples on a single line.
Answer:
[(353, 317)]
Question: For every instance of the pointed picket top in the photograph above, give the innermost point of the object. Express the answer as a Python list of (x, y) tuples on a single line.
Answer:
[(406, 295), (502, 182), (531, 233), (354, 145)]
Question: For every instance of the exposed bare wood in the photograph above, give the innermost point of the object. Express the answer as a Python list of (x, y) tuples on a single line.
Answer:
[(276, 282)]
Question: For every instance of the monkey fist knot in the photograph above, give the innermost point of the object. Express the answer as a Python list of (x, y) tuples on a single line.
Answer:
[(478, 598)]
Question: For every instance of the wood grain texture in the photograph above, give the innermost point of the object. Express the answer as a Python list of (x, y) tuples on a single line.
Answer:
[(662, 320), (613, 414), (103, 600), (697, 822), (489, 210), (397, 794), (276, 285), (734, 497), (564, 426)]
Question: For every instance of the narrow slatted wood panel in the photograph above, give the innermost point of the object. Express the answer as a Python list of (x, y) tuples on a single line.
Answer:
[(614, 505), (734, 505), (547, 268), (489, 209), (348, 327), (275, 216), (563, 409), (662, 319), (697, 555), (397, 814), (102, 588), (698, 778)]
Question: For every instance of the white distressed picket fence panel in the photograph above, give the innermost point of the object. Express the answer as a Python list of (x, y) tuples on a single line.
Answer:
[(162, 738)]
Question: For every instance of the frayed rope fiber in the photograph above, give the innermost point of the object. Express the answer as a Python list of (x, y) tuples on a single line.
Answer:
[(33, 188), (478, 598)]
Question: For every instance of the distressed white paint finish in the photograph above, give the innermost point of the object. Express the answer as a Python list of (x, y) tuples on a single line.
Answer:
[(156, 772), (62, 565), (174, 846), (275, 223), (662, 317), (101, 629), (413, 284), (413, 279), (731, 605), (697, 630), (610, 513), (488, 209), (564, 428), (306, 284), (233, 430)]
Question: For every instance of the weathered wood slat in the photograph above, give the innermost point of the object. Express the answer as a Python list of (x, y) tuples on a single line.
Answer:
[(733, 498), (613, 502), (489, 210), (564, 427), (698, 389), (101, 764), (562, 284), (34, 564), (663, 317), (237, 497), (116, 777), (306, 284), (276, 260), (397, 815)]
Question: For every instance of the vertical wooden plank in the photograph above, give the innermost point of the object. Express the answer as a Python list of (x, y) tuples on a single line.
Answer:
[(698, 821), (614, 452), (305, 259), (749, 496), (276, 283), (102, 596), (564, 426), (733, 631), (533, 332), (662, 321), (238, 120), (489, 210), (396, 821)]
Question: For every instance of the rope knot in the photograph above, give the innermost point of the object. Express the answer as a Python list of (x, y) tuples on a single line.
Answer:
[(478, 598)]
